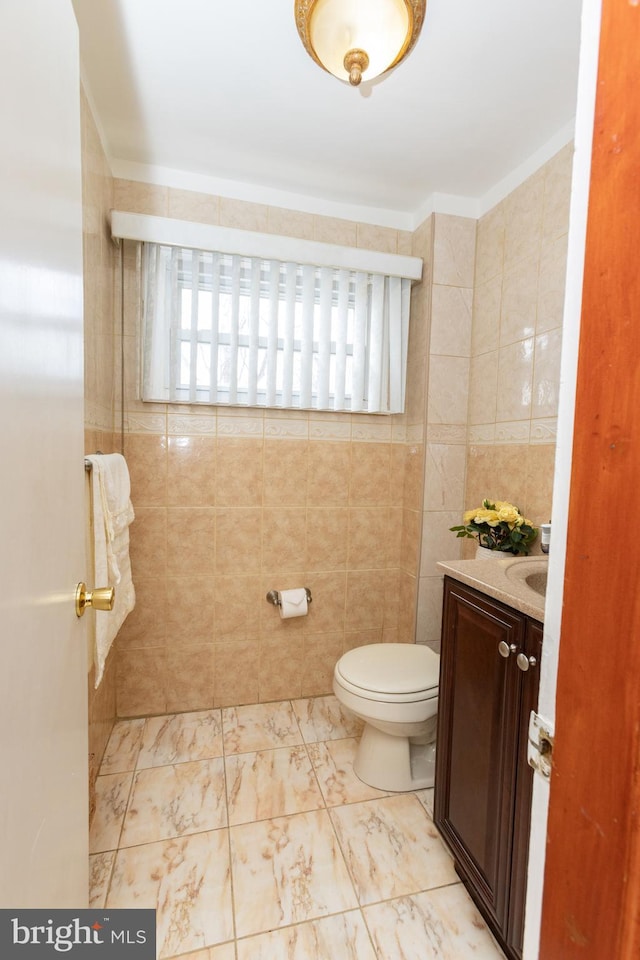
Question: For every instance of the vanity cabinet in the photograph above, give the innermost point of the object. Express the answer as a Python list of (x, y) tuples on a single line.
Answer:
[(483, 781)]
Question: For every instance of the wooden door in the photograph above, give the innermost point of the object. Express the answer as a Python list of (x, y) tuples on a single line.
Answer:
[(43, 663), (591, 901)]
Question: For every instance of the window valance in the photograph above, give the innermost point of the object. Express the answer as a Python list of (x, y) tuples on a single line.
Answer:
[(223, 327), (269, 246)]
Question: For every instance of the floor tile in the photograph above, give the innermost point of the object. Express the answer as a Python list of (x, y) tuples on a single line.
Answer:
[(287, 871), (174, 801), (187, 881), (123, 747), (307, 842), (225, 951), (426, 799), (181, 737), (260, 726), (112, 794), (323, 718), (438, 925), (391, 847), (333, 764), (341, 937), (100, 865), (271, 783)]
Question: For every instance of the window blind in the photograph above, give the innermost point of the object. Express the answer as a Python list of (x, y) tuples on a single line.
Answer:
[(224, 328)]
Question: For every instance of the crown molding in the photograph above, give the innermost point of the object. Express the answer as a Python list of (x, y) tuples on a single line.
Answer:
[(255, 193), (449, 204)]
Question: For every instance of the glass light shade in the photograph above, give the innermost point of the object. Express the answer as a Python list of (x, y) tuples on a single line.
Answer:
[(381, 28)]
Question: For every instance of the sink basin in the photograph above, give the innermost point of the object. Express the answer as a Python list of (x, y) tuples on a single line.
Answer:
[(530, 571), (537, 582)]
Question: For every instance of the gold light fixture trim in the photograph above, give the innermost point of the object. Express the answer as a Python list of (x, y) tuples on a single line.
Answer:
[(359, 39), (355, 63)]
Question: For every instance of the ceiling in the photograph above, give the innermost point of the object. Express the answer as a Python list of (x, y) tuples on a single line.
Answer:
[(222, 93)]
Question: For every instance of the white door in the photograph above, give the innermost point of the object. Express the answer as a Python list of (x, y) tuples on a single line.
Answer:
[(43, 668)]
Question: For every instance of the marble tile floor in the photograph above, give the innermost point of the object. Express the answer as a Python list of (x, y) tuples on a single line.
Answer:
[(248, 832)]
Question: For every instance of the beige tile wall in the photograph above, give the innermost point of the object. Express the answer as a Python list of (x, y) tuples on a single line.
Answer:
[(497, 297), (232, 503), (516, 341), (448, 358), (100, 258)]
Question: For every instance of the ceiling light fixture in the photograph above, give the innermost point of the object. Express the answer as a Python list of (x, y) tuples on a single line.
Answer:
[(358, 39)]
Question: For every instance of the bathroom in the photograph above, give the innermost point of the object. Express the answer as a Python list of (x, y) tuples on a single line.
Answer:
[(356, 508), (232, 503), (337, 504)]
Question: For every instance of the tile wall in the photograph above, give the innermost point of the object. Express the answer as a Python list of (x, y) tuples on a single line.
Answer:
[(515, 349), (447, 356), (231, 503), (494, 367), (100, 277)]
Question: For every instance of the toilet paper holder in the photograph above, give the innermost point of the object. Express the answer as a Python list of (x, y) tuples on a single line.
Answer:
[(273, 596)]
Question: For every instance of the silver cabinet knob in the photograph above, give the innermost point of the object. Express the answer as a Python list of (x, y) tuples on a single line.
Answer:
[(505, 649), (524, 662)]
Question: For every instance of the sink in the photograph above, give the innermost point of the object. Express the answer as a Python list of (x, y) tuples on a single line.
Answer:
[(537, 582), (530, 571)]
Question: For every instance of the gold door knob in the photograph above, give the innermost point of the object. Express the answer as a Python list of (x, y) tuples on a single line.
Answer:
[(102, 598)]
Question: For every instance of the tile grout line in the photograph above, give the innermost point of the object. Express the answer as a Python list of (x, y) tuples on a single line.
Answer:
[(228, 829), (118, 847), (337, 839)]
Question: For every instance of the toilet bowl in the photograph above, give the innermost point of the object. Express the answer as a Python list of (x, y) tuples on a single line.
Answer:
[(393, 687)]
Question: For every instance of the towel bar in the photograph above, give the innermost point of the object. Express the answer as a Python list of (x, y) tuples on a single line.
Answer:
[(87, 463)]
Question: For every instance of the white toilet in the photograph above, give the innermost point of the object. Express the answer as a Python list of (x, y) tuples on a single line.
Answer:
[(393, 687)]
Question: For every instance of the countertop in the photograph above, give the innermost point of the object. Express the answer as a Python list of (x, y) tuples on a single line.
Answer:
[(490, 577)]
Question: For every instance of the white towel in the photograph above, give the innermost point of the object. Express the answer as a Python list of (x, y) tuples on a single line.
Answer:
[(112, 514)]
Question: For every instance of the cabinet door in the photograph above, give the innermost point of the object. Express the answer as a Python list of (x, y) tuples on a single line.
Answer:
[(530, 682), (477, 740)]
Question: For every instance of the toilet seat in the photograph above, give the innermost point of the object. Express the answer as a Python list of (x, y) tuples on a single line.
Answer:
[(390, 672)]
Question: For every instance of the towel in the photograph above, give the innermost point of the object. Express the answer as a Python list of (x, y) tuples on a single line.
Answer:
[(112, 514)]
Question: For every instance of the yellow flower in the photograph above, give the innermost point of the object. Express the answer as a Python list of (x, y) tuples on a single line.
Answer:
[(498, 525), (507, 513), (490, 517)]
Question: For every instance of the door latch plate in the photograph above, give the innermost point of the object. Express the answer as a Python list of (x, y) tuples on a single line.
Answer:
[(540, 745)]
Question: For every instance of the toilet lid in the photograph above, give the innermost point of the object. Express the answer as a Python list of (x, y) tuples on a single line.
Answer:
[(391, 668)]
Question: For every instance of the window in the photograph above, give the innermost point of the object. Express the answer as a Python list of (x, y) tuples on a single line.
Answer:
[(232, 329)]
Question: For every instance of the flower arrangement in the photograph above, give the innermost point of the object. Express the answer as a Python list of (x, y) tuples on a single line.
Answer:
[(498, 526)]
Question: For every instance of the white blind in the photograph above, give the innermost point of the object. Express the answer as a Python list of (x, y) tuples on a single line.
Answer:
[(230, 329)]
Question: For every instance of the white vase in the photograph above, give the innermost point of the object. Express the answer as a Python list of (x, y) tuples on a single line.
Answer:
[(483, 553)]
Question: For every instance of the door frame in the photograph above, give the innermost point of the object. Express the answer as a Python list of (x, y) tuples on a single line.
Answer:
[(590, 900)]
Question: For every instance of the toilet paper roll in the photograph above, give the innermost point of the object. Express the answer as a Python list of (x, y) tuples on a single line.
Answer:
[(293, 603)]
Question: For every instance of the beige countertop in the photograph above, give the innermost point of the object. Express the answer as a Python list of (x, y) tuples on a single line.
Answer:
[(502, 579)]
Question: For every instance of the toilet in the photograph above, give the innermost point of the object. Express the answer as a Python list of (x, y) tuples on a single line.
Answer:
[(393, 687)]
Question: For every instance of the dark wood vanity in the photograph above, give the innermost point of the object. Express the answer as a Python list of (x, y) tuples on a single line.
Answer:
[(488, 686)]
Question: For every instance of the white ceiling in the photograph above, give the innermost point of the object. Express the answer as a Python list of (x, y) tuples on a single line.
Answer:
[(221, 94)]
